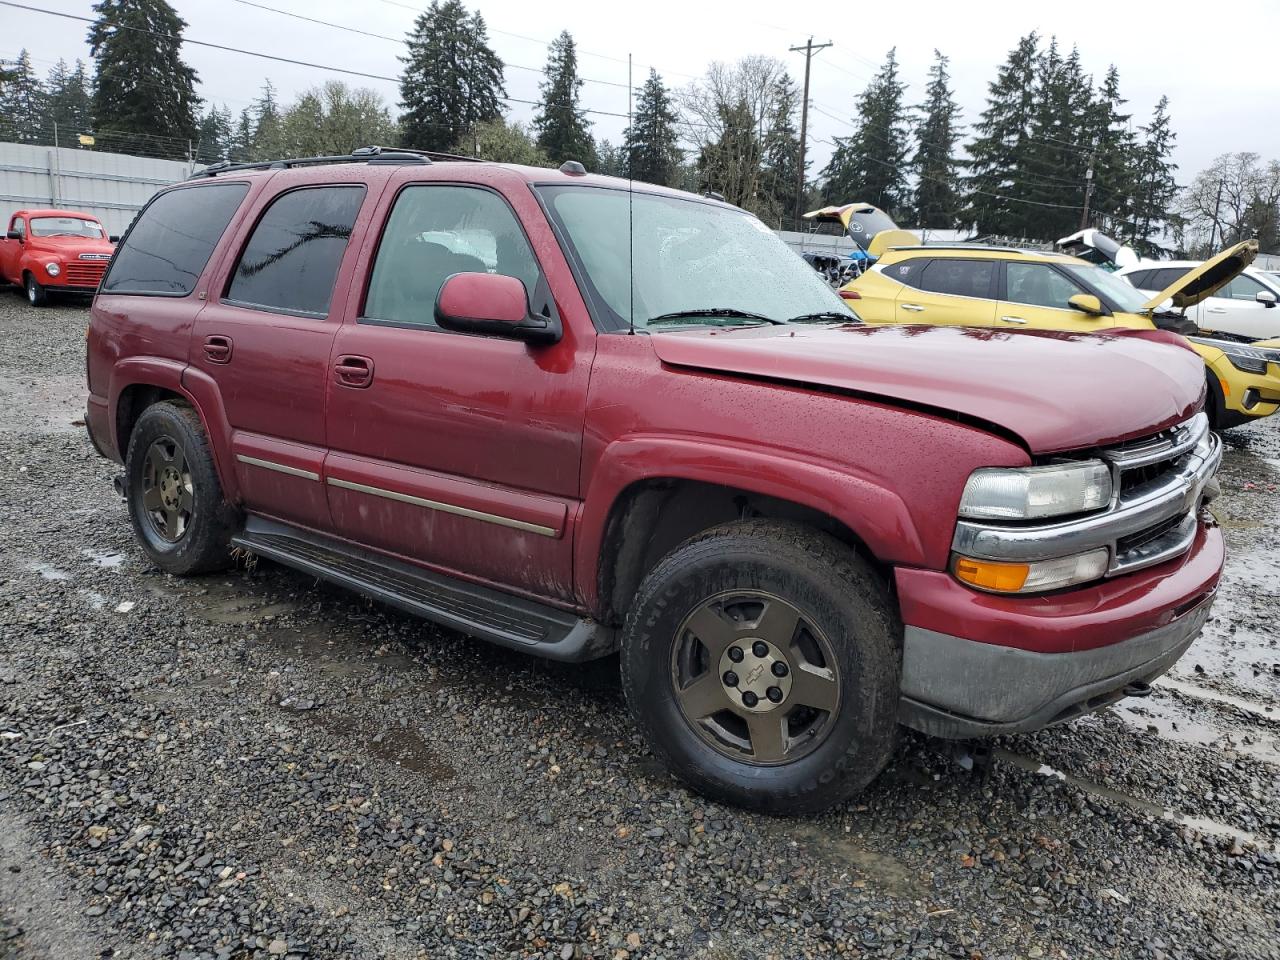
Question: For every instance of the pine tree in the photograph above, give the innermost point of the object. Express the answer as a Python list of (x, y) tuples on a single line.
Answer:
[(563, 130), (871, 165), (144, 96), (23, 104), (936, 201), (651, 142), (214, 140), (730, 165), (1113, 158), (610, 160), (265, 112), (781, 157), (995, 162), (70, 101), (1154, 190), (452, 79)]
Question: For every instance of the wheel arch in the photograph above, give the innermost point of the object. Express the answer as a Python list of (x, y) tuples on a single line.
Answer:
[(631, 521), (140, 382)]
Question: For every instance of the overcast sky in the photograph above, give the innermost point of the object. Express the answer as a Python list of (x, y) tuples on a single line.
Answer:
[(1219, 77)]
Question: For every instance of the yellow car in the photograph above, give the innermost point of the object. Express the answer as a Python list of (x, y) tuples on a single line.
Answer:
[(1003, 287)]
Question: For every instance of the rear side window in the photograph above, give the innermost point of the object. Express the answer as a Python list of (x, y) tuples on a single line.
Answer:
[(959, 278), (167, 248), (908, 272), (1165, 278), (435, 231), (1140, 279), (291, 260)]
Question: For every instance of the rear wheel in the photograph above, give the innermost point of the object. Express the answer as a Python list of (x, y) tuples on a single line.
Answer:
[(762, 660), (175, 500), (37, 296)]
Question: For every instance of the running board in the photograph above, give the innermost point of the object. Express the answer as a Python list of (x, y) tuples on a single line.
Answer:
[(488, 614)]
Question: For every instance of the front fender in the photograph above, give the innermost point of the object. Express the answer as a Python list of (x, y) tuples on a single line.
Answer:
[(878, 516)]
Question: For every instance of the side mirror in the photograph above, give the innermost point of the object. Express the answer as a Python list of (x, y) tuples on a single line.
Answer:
[(13, 235), (1266, 298), (492, 304), (1087, 303), (114, 238)]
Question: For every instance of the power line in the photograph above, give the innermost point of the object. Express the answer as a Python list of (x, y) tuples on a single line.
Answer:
[(262, 56), (401, 40)]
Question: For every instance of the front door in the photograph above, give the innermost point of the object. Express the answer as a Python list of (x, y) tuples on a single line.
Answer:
[(1236, 309), (457, 451), (11, 250), (266, 340), (1036, 297)]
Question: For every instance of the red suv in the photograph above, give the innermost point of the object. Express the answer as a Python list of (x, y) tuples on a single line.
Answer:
[(47, 251), (473, 391)]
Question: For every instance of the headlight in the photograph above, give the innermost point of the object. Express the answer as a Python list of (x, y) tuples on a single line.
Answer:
[(1242, 356), (52, 269), (1028, 493), (1039, 575)]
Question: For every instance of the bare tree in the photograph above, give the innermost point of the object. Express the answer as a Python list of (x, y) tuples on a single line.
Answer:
[(730, 115), (1236, 198)]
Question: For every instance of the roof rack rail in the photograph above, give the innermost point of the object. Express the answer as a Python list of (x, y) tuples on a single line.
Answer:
[(371, 154)]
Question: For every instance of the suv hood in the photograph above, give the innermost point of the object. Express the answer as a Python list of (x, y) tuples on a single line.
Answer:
[(1208, 278), (1056, 391)]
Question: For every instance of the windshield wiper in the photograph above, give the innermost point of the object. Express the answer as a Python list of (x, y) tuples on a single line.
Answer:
[(730, 312), (843, 316)]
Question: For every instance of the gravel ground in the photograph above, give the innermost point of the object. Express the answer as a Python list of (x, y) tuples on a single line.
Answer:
[(257, 765)]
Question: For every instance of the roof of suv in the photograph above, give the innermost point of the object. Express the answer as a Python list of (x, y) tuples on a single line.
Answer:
[(975, 252), (370, 167)]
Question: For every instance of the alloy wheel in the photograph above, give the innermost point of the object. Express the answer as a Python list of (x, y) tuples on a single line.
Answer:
[(168, 492), (755, 677)]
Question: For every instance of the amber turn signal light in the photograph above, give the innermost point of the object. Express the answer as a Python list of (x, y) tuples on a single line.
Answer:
[(987, 575)]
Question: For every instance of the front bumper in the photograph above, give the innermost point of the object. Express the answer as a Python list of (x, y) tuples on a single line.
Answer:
[(977, 664)]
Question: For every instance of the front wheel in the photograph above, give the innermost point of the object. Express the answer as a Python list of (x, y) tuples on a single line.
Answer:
[(175, 500), (762, 660), (37, 296)]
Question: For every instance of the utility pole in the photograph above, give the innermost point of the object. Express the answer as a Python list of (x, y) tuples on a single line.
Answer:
[(1088, 193), (809, 49), (1217, 208)]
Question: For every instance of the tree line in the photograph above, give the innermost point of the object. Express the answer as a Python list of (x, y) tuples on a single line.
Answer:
[(1048, 136)]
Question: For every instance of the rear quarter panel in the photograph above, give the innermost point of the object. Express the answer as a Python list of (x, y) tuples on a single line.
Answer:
[(878, 295)]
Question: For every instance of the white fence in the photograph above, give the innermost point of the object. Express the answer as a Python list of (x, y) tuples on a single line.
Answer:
[(111, 186)]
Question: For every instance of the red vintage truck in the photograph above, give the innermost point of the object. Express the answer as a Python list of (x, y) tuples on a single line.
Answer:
[(471, 391), (54, 251)]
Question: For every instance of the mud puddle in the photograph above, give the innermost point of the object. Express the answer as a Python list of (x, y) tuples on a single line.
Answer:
[(885, 873), (1200, 725)]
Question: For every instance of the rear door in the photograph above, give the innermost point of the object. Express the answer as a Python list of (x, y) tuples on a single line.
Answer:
[(265, 337), (946, 291), (458, 451), (1236, 309), (1035, 297)]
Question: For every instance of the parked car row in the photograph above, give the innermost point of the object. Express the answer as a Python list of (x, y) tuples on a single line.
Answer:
[(468, 390)]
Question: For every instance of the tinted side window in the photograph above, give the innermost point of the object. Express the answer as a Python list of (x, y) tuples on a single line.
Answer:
[(959, 278), (1038, 285), (291, 260), (434, 232), (168, 246), (1139, 279), (908, 272), (1163, 279)]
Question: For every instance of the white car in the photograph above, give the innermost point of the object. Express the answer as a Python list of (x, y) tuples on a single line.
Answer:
[(1245, 307)]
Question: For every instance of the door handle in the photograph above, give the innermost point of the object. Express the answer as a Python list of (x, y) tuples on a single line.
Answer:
[(218, 349), (353, 371), (913, 307), (1013, 319), (1217, 309)]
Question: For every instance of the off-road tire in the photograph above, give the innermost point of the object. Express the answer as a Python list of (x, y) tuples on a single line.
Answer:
[(36, 294), (205, 544), (840, 592)]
